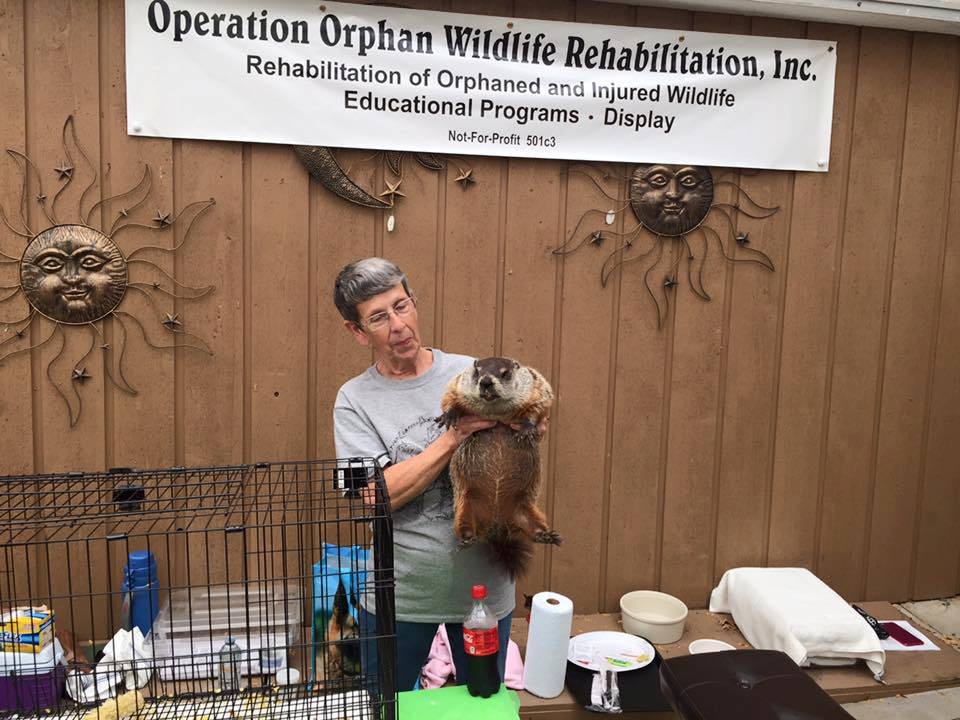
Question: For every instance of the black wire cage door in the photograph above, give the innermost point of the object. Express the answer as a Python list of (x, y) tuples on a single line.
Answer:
[(222, 592)]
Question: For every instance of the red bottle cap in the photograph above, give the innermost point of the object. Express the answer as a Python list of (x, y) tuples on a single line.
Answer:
[(479, 592)]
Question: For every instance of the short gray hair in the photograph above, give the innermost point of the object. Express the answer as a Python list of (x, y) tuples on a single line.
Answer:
[(362, 280)]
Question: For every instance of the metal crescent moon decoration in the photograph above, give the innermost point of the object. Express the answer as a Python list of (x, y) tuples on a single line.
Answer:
[(323, 167)]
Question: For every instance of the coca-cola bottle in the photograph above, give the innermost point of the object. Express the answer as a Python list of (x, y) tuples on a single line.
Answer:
[(482, 645)]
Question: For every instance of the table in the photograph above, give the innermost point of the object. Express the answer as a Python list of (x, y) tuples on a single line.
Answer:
[(906, 672)]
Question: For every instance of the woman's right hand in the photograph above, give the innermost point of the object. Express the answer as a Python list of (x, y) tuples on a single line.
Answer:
[(467, 425)]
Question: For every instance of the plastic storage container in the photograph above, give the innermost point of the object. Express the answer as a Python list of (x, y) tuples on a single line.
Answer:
[(189, 632), (141, 591), (26, 630), (30, 682)]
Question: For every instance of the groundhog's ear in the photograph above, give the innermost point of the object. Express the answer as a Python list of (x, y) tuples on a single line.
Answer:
[(341, 608), (516, 365)]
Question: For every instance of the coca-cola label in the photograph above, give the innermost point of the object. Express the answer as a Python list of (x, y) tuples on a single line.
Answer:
[(481, 642)]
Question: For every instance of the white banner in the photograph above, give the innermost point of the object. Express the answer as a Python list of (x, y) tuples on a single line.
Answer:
[(366, 76)]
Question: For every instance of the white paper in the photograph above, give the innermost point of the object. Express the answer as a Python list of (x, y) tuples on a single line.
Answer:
[(892, 645), (545, 666)]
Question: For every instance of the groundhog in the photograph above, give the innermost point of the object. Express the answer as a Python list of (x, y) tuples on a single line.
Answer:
[(342, 640), (496, 472)]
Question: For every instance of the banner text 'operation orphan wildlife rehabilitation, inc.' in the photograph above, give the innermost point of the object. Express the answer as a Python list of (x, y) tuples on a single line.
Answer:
[(377, 77)]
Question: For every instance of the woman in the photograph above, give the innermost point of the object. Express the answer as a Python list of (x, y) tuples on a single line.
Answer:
[(388, 412)]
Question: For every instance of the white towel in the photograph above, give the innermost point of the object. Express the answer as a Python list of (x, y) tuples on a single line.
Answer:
[(794, 611)]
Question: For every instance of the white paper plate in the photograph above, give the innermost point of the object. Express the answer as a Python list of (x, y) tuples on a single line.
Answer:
[(708, 645), (620, 651)]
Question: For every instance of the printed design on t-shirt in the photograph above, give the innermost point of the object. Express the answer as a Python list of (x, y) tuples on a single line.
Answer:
[(436, 502)]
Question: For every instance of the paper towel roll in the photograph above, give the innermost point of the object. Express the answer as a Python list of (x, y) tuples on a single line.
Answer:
[(548, 638)]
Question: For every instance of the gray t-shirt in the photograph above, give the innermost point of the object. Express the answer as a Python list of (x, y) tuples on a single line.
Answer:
[(393, 420)]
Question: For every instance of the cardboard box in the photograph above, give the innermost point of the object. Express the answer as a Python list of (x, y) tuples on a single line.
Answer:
[(26, 630)]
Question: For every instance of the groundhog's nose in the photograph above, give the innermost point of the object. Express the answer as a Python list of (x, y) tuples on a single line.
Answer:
[(486, 383)]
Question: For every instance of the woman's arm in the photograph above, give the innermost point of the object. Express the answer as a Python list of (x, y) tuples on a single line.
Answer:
[(408, 479)]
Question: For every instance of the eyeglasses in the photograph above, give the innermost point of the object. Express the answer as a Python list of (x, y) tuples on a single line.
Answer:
[(380, 320)]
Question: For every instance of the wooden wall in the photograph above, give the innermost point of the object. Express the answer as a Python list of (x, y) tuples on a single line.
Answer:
[(803, 417)]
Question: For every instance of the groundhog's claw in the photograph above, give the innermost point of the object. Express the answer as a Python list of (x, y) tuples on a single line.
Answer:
[(448, 419), (547, 537), (528, 431), (466, 542)]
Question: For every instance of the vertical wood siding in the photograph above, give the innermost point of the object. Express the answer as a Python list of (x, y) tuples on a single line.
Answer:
[(803, 417)]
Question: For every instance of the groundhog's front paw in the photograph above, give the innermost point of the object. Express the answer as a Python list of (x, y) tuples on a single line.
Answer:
[(466, 542), (527, 432), (547, 537), (334, 665), (448, 419)]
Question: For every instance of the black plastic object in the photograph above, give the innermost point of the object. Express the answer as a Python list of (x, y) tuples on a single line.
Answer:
[(746, 685), (872, 622), (128, 498)]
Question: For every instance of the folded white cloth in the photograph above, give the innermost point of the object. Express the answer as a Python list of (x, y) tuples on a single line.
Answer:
[(794, 611), (126, 658), (130, 650)]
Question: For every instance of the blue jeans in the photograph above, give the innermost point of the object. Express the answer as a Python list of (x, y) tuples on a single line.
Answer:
[(413, 647)]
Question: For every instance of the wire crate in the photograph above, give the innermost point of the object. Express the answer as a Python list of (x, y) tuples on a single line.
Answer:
[(220, 593)]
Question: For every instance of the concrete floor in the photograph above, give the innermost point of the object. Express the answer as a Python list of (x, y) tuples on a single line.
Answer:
[(935, 705), (942, 616)]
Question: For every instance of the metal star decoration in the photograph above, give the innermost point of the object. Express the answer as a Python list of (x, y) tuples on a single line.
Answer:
[(81, 375), (392, 190), (64, 171), (742, 238), (669, 282), (465, 178), (596, 238), (162, 218), (41, 198), (170, 322)]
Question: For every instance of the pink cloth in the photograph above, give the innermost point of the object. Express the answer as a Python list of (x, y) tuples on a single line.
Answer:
[(440, 668)]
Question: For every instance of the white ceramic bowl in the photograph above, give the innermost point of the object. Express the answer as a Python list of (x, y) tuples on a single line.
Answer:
[(656, 616), (708, 645)]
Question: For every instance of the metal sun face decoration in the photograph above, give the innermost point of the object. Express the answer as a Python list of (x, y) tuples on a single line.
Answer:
[(73, 275), (671, 203)]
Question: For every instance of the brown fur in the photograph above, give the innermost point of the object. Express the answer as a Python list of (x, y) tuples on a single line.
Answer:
[(496, 473), (343, 649)]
